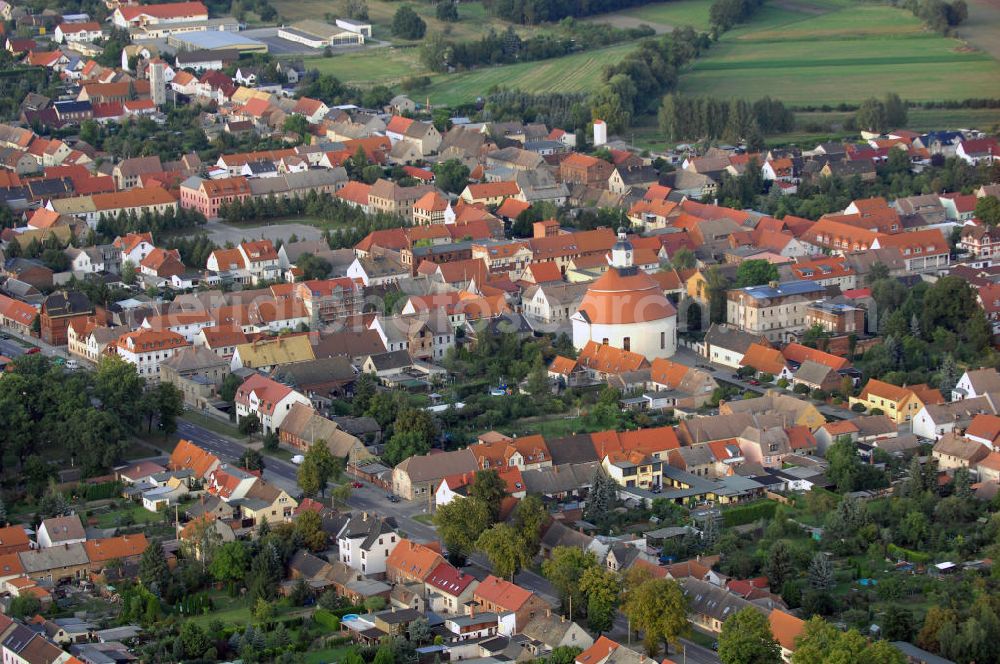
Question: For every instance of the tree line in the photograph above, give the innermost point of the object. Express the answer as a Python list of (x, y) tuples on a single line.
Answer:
[(733, 121), (441, 55), (122, 223), (531, 12)]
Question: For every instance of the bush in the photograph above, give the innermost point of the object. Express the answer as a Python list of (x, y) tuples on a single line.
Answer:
[(446, 11), (766, 377), (818, 395), (801, 388), (858, 408), (782, 383)]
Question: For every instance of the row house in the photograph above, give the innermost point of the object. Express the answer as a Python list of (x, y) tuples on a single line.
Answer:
[(152, 200), (390, 198), (923, 251), (840, 238)]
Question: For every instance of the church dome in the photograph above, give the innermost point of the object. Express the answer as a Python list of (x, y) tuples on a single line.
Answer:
[(623, 296)]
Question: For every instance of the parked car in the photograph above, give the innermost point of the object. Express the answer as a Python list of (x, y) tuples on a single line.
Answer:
[(357, 485), (33, 350), (298, 459), (392, 498)]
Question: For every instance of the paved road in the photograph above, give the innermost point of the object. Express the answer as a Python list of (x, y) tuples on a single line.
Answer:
[(277, 471), (8, 346)]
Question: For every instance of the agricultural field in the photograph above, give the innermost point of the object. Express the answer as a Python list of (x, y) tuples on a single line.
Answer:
[(579, 72), (573, 73), (828, 52), (662, 17)]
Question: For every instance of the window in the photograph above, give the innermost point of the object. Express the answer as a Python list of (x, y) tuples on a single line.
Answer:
[(627, 343)]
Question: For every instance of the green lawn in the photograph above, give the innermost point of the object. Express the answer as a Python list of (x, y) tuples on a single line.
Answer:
[(846, 54), (129, 514), (375, 66), (326, 656), (212, 424), (551, 428)]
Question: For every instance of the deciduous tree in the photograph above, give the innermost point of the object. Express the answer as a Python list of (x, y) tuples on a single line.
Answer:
[(657, 608), (746, 638)]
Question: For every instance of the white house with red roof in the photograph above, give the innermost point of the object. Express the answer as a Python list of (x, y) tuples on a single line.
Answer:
[(261, 260), (147, 349), (979, 151), (134, 16), (230, 483), (134, 247), (449, 588), (268, 399), (312, 109), (78, 32)]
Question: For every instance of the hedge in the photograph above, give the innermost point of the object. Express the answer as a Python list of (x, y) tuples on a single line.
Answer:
[(324, 618), (738, 516), (908, 554)]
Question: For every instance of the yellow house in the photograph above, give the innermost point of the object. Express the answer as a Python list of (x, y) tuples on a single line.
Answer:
[(634, 469), (266, 502), (900, 404)]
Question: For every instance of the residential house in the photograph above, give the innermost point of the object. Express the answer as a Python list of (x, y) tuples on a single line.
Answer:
[(976, 383), (411, 562), (269, 400), (147, 349), (500, 596), (900, 404), (726, 345), (366, 542), (953, 451), (60, 530), (449, 589), (417, 477)]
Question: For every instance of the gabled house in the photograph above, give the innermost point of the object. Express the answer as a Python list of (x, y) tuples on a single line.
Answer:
[(411, 562), (366, 542), (900, 404), (499, 596), (269, 400)]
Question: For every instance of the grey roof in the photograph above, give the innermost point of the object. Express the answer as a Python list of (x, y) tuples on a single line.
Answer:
[(813, 373), (311, 372), (874, 425), (710, 600), (194, 358), (915, 654), (730, 338), (984, 380), (575, 449), (430, 467), (696, 455), (558, 534), (784, 289), (397, 359), (962, 410), (368, 528), (56, 557), (560, 479)]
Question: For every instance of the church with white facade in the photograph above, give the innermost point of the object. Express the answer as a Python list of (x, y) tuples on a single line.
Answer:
[(625, 308)]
